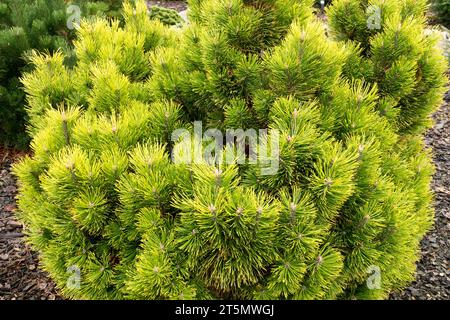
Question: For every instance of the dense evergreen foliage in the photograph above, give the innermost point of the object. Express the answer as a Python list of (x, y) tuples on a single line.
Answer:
[(26, 25), (167, 16), (396, 54), (114, 215), (441, 8)]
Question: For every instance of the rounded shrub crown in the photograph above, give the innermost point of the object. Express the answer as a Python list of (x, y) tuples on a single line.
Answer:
[(27, 25), (389, 46), (114, 214)]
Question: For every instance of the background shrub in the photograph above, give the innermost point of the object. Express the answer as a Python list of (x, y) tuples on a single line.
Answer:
[(441, 8), (26, 25), (167, 16)]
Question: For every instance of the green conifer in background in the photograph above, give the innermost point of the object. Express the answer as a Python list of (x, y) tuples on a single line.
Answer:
[(167, 16), (441, 8), (107, 8), (33, 25), (114, 215)]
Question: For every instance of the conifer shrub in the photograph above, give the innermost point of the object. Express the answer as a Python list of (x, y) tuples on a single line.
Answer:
[(389, 47), (33, 25), (23, 25), (441, 8), (107, 8), (116, 215), (167, 16)]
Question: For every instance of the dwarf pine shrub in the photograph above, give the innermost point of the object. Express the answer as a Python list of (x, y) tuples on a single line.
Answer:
[(167, 16), (389, 48), (124, 198), (33, 25)]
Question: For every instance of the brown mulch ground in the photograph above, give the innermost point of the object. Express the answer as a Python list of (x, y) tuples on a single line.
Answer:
[(20, 276)]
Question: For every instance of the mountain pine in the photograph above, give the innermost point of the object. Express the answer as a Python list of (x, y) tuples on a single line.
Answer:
[(389, 46), (114, 215), (167, 16), (33, 25)]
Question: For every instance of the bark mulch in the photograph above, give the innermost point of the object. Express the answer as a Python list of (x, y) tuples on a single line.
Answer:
[(20, 276), (176, 5)]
